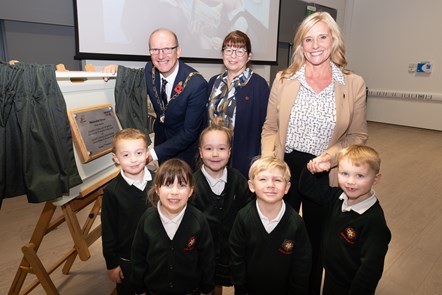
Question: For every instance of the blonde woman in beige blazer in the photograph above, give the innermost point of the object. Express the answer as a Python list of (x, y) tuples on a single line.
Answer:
[(316, 107), (351, 127)]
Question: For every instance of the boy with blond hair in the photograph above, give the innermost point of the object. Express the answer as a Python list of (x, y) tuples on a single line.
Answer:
[(357, 236), (124, 201), (270, 249)]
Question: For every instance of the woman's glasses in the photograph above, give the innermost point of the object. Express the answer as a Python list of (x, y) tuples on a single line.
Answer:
[(238, 51)]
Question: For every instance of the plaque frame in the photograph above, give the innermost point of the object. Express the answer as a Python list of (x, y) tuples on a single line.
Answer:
[(78, 132)]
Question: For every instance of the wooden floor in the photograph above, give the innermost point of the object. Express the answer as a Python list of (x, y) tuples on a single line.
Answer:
[(410, 193)]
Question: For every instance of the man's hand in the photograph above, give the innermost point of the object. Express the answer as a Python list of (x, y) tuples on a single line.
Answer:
[(111, 69)]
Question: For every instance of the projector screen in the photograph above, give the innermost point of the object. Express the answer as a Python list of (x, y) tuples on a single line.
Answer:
[(119, 29)]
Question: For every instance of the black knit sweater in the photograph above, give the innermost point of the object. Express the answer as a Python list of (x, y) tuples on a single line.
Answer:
[(122, 207), (173, 267), (270, 263), (355, 244), (220, 211)]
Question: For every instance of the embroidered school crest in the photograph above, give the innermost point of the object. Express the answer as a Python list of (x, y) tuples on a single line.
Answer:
[(190, 244), (349, 235), (287, 247)]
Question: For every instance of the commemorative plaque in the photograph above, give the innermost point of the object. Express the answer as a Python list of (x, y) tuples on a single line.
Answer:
[(93, 129)]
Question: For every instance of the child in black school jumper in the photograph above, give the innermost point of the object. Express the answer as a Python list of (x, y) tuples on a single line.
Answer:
[(124, 201), (172, 252), (220, 193), (356, 237), (271, 252)]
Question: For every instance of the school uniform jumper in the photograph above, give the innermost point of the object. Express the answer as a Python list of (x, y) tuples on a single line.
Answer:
[(173, 267), (276, 263), (220, 212), (355, 244), (122, 207)]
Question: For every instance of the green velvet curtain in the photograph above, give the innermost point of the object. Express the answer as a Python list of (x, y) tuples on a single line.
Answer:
[(36, 151)]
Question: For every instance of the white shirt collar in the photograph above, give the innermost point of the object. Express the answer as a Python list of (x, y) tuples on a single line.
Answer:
[(268, 224), (337, 74), (171, 78), (140, 184), (175, 220), (217, 185), (213, 181), (170, 81), (359, 207), (171, 225)]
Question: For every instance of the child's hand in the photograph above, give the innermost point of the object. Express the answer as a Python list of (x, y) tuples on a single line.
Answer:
[(115, 275), (319, 164)]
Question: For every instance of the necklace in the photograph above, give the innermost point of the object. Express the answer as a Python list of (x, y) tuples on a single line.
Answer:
[(157, 96)]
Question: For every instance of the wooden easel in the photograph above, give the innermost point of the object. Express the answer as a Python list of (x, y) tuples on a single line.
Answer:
[(82, 237)]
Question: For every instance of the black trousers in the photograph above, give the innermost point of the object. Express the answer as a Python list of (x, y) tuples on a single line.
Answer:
[(125, 287), (312, 214)]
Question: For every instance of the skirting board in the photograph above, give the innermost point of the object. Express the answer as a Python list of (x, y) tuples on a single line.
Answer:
[(412, 113)]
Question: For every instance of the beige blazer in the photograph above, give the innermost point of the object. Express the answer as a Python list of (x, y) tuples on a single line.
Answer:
[(351, 123)]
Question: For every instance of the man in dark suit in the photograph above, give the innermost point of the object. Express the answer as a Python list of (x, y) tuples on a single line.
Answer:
[(181, 111)]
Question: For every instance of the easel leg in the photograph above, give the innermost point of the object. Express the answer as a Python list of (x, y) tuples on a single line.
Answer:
[(39, 270), (76, 232), (37, 237), (82, 237), (86, 228)]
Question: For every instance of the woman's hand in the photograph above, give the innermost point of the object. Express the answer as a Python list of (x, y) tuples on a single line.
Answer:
[(319, 164)]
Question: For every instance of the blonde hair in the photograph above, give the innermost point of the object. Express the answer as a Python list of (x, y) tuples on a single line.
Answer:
[(360, 155), (268, 163), (127, 133), (167, 173), (337, 55)]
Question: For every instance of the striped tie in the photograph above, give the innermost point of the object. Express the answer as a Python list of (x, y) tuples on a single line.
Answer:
[(163, 91)]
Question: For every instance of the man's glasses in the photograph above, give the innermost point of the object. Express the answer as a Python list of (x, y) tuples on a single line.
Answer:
[(167, 50), (239, 51)]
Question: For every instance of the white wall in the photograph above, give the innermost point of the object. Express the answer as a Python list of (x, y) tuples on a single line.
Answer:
[(339, 5), (383, 38)]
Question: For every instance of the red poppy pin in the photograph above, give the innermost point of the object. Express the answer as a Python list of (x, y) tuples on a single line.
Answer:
[(179, 87)]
